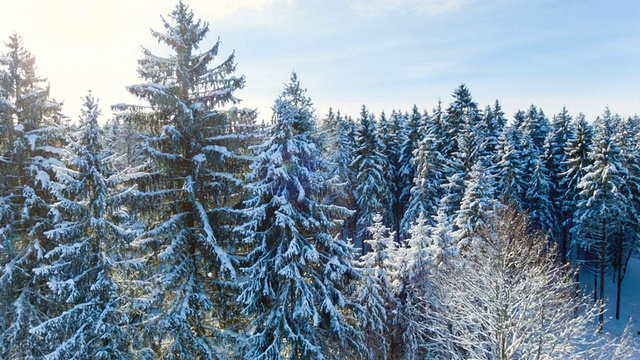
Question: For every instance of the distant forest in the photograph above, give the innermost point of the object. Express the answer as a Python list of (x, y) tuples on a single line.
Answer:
[(186, 229)]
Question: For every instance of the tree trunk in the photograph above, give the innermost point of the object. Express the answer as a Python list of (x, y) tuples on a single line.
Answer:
[(603, 255), (563, 246), (595, 286), (577, 276), (618, 272)]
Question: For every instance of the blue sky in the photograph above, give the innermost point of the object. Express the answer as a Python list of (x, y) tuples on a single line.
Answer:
[(386, 54)]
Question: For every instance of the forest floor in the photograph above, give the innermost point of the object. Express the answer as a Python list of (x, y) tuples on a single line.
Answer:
[(630, 298)]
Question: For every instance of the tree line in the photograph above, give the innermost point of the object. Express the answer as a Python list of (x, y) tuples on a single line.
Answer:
[(186, 229)]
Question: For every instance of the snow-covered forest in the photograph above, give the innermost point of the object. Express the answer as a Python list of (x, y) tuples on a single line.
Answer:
[(184, 228)]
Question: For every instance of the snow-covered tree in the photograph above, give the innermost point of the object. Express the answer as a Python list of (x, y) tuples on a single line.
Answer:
[(374, 291), (509, 175), (578, 151), (476, 208), (392, 133), (537, 199), (372, 192), (560, 136), (81, 270), (493, 124), (464, 146), (342, 175), (414, 132), (34, 126), (296, 270), (508, 300), (535, 128), (195, 146), (604, 203), (431, 171), (428, 250)]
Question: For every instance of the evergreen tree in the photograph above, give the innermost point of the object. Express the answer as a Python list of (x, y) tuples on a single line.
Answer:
[(476, 207), (431, 171), (372, 190), (626, 240), (414, 132), (534, 130), (537, 198), (391, 134), (374, 292), (493, 124), (429, 249), (125, 134), (81, 269), (342, 175), (196, 151), (535, 127), (561, 134), (34, 132), (465, 135), (296, 270), (578, 151), (604, 199), (510, 178)]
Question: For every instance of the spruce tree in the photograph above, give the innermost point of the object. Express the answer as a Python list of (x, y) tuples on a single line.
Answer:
[(561, 134), (391, 135), (33, 123), (431, 171), (604, 200), (476, 208), (82, 269), (374, 292), (414, 132), (372, 192), (195, 146), (465, 144), (342, 175), (296, 270), (509, 174)]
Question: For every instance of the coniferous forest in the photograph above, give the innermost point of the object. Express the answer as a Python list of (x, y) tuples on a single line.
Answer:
[(184, 228)]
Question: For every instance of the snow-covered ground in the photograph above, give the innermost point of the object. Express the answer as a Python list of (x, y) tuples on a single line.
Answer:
[(630, 303)]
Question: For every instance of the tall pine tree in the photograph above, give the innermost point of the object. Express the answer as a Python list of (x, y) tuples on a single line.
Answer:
[(296, 270), (34, 130), (195, 147)]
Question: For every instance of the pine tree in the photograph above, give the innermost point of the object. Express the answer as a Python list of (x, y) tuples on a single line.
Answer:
[(537, 198), (196, 148), (342, 175), (429, 249), (374, 292), (296, 270), (578, 152), (431, 171), (372, 190), (535, 126), (534, 130), (509, 174), (604, 199), (493, 124), (413, 134), (466, 136), (391, 134), (476, 208), (81, 270), (37, 141), (561, 134)]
